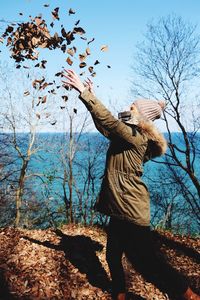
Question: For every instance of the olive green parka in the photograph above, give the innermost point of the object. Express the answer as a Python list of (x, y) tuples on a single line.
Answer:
[(123, 194)]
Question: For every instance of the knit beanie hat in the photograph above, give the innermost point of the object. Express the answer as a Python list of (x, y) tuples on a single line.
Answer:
[(150, 109)]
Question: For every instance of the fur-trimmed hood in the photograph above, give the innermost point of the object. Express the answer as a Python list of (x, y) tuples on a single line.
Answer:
[(157, 144)]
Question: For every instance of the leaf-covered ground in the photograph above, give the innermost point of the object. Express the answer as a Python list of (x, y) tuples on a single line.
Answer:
[(70, 264)]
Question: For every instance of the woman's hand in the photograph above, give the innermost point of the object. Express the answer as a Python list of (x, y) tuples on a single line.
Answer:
[(89, 84), (73, 80)]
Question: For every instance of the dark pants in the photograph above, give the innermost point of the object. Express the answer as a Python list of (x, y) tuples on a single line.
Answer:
[(137, 243)]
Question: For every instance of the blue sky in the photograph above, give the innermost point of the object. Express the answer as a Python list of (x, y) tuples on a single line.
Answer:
[(118, 24)]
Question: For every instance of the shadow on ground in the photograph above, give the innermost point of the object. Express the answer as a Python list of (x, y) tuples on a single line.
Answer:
[(81, 250)]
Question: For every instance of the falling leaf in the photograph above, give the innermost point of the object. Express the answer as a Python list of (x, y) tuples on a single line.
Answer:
[(37, 82), (75, 110), (96, 62), (62, 107), (59, 74), (82, 65), (108, 66), (63, 32), (93, 74), (47, 115), (38, 21), (71, 51), (63, 48), (44, 99), (84, 38), (46, 5), (43, 63), (37, 115), (88, 51), (9, 41), (77, 22), (69, 61), (43, 86), (55, 13), (65, 86), (91, 69), (104, 48), (52, 24), (92, 40), (65, 98), (79, 30), (53, 123), (82, 57), (1, 40), (71, 11), (82, 73), (21, 14), (26, 93), (9, 29)]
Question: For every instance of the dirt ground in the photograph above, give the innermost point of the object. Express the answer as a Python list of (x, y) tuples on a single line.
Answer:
[(70, 263)]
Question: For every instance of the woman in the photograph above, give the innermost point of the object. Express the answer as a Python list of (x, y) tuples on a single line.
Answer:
[(124, 196)]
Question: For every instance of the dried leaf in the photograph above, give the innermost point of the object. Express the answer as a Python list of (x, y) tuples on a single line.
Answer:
[(44, 99), (65, 98), (37, 115), (96, 62), (93, 74), (38, 21), (82, 57), (71, 51), (92, 40), (84, 38), (53, 123), (55, 13), (91, 69), (77, 22), (79, 30), (26, 93), (59, 74), (71, 11), (69, 61), (88, 51), (75, 110), (104, 48), (82, 65), (37, 82)]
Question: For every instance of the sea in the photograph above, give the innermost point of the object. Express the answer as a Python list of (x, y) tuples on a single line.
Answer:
[(59, 160)]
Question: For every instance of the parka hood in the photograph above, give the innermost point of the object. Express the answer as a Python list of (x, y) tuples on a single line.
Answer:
[(157, 144)]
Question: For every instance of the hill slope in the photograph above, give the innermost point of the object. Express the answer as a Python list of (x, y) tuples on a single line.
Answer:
[(70, 264)]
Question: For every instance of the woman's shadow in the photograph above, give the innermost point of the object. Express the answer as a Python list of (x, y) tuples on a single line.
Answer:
[(81, 250)]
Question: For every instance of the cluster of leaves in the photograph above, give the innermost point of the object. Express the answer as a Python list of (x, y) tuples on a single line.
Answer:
[(25, 39)]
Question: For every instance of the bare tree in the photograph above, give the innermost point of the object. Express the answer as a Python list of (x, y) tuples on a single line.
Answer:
[(167, 68), (17, 116)]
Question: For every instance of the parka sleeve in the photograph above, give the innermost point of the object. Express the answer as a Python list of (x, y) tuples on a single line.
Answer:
[(106, 123)]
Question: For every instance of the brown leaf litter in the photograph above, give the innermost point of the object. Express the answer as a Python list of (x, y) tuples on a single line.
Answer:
[(70, 264)]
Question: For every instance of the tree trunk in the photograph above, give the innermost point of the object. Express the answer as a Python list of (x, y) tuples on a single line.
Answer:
[(19, 192)]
